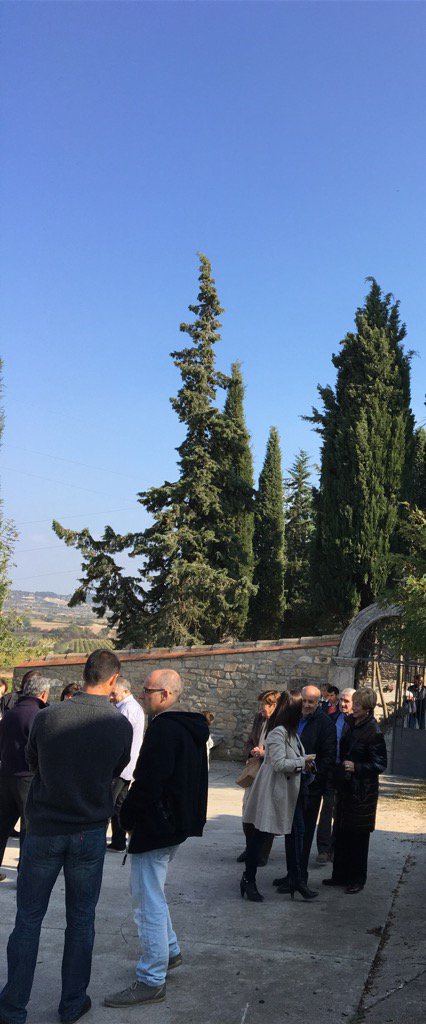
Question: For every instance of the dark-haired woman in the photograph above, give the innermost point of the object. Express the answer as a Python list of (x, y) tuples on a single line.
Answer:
[(273, 798), (69, 690)]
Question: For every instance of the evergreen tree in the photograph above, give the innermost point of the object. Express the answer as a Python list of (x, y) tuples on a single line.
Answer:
[(299, 527), (267, 605), (418, 487), (366, 427), (183, 594), (235, 477), (407, 634), (191, 596)]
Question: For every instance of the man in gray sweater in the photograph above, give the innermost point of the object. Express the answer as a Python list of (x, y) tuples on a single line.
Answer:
[(75, 749)]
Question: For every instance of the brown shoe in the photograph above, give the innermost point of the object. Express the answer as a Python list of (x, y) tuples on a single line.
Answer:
[(352, 889)]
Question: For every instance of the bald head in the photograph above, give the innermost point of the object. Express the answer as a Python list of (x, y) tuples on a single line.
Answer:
[(162, 690), (310, 698)]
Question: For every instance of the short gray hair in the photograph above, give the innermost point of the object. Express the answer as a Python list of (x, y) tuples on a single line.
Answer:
[(123, 684), (35, 686), (348, 689)]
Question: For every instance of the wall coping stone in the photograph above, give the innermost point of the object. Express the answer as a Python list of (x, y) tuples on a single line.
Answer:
[(160, 653)]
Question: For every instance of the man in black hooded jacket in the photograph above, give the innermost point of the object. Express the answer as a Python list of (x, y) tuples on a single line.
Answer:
[(166, 803)]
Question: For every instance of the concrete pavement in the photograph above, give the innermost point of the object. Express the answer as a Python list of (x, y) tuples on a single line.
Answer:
[(341, 959)]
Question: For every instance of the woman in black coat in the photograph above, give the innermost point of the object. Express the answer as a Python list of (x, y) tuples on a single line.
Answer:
[(362, 759)]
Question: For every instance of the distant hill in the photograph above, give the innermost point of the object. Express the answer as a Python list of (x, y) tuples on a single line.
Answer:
[(46, 604), (45, 614)]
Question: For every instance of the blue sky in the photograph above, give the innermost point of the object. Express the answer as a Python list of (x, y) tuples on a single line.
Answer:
[(284, 140)]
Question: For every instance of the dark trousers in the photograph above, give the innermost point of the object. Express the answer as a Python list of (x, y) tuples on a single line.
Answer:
[(294, 846), (351, 856), (255, 845), (14, 790), (81, 855), (325, 821), (120, 788), (312, 803), (267, 845)]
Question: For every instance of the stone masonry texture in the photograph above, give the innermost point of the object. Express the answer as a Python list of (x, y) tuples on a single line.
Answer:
[(225, 678)]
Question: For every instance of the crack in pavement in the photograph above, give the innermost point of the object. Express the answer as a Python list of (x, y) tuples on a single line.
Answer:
[(362, 1009)]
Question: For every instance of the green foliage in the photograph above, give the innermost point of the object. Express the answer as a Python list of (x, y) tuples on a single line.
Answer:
[(81, 645), (186, 591), (366, 427), (267, 605), (418, 485), (299, 528), (236, 521), (408, 589)]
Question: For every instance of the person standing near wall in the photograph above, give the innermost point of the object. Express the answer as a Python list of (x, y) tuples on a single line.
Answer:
[(166, 804), (126, 704), (318, 735), (15, 775), (75, 748), (325, 821), (255, 747)]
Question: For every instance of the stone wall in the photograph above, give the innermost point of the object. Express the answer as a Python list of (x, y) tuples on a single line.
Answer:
[(224, 678)]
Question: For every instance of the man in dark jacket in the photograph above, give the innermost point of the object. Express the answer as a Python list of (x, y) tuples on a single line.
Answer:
[(318, 735), (167, 802), (15, 775), (75, 748)]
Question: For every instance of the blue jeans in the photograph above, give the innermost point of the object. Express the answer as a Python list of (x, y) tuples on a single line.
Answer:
[(151, 913), (81, 855)]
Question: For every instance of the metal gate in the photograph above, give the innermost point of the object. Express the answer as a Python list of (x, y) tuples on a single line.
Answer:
[(401, 687)]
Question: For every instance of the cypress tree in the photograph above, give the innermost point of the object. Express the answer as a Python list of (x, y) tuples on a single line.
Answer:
[(267, 605), (366, 427), (299, 527), (235, 476), (418, 486)]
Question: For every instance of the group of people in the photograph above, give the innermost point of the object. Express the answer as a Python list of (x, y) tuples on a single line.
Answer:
[(66, 771), (313, 749), (75, 757)]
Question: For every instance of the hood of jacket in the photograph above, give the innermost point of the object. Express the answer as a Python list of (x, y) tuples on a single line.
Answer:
[(192, 721)]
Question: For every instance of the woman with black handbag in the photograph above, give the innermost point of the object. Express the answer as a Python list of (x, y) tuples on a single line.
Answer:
[(363, 758)]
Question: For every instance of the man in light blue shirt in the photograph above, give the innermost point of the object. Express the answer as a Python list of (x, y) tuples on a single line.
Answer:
[(128, 706)]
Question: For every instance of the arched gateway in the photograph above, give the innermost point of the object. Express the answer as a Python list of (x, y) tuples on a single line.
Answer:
[(345, 661)]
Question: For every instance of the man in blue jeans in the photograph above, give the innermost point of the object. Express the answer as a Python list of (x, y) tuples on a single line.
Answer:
[(75, 749), (167, 802)]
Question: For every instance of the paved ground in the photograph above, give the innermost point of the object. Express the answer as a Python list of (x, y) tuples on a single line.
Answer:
[(341, 959)]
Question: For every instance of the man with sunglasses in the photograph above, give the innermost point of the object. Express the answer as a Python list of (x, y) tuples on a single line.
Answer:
[(166, 804)]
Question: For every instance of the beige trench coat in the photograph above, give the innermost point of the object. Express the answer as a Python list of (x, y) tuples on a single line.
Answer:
[(273, 796)]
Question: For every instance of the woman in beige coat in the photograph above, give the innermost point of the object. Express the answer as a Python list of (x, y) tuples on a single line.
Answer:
[(273, 799)]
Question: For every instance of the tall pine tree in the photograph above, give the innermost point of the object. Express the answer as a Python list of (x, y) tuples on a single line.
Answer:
[(183, 592), (366, 427), (267, 605), (299, 527)]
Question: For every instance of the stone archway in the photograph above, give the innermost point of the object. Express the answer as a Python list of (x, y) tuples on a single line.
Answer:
[(345, 661)]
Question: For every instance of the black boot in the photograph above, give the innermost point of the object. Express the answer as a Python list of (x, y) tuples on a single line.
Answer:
[(242, 857), (250, 890), (308, 894)]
